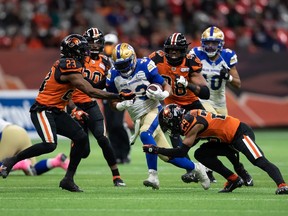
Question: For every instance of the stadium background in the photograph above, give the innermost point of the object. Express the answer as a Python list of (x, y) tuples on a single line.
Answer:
[(31, 30)]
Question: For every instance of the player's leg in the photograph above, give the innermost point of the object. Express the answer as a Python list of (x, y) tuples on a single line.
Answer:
[(112, 130), (95, 124), (68, 127), (46, 165), (15, 139), (120, 133), (197, 171), (245, 143), (207, 154), (148, 124), (46, 128)]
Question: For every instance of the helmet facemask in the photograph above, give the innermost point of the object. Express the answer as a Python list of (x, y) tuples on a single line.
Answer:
[(212, 41), (95, 39), (175, 48)]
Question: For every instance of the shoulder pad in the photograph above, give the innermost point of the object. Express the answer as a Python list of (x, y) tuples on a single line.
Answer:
[(69, 64), (157, 56), (106, 61), (194, 63)]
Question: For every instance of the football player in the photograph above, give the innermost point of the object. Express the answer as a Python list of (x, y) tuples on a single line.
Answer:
[(48, 112), (182, 72), (219, 68), (96, 67), (13, 139), (200, 124), (132, 74), (118, 131)]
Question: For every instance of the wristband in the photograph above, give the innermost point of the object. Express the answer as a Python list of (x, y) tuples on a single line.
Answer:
[(230, 78)]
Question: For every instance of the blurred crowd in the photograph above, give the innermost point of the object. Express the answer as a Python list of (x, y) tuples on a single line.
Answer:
[(248, 24)]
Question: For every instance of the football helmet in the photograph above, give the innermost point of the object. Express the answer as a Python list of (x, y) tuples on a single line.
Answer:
[(95, 38), (170, 118), (75, 46), (212, 41), (124, 58), (177, 42)]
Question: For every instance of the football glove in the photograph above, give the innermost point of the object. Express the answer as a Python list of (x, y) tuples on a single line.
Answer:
[(79, 114), (182, 80), (151, 149), (124, 104), (157, 95), (126, 95), (224, 73)]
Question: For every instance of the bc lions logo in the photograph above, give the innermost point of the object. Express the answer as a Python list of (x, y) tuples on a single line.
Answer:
[(73, 42)]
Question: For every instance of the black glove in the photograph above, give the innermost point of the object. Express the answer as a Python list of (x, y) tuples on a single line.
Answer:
[(126, 95), (224, 73), (151, 149)]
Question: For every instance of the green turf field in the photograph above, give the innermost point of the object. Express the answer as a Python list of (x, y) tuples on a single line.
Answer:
[(40, 195)]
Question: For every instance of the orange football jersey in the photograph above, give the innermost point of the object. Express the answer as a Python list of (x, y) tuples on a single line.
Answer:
[(191, 64), (95, 70), (53, 92), (216, 127)]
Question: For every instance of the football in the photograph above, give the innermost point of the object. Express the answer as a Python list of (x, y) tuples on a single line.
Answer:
[(155, 87)]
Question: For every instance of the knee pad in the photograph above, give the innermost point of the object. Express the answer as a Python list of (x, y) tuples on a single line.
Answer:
[(147, 138)]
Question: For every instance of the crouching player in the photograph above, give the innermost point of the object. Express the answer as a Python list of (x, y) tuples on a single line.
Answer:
[(200, 124)]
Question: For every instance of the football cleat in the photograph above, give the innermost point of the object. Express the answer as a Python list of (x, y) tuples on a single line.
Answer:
[(26, 166), (189, 177), (118, 182), (68, 184), (231, 185), (201, 175), (282, 189), (152, 180), (247, 179), (62, 161), (7, 165)]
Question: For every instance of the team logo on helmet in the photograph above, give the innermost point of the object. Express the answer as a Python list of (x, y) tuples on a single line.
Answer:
[(71, 42)]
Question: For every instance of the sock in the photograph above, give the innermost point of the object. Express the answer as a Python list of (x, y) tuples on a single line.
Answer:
[(42, 167), (182, 163), (151, 159), (115, 173), (232, 177)]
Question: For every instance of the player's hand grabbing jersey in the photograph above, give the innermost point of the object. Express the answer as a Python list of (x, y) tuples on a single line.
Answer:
[(191, 64), (54, 92)]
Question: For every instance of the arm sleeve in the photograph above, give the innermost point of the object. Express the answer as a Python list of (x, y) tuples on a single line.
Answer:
[(174, 152), (99, 85), (204, 92)]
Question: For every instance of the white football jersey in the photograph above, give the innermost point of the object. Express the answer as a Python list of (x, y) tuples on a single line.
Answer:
[(211, 72), (144, 74)]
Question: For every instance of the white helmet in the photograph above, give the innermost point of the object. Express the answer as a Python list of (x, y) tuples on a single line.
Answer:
[(111, 38)]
